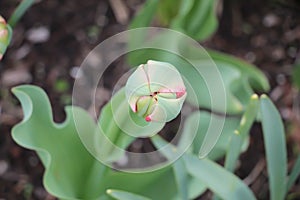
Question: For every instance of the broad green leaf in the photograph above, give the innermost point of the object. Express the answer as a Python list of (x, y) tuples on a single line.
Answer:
[(58, 145), (275, 147), (240, 135), (217, 179), (122, 195), (158, 185), (294, 174)]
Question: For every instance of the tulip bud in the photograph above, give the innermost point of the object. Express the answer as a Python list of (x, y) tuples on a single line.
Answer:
[(155, 91), (4, 36)]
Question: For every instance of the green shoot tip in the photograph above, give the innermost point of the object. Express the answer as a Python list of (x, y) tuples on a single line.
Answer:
[(263, 96), (109, 191), (254, 96)]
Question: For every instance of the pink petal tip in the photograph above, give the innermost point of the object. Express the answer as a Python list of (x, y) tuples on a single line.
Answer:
[(148, 118), (180, 93)]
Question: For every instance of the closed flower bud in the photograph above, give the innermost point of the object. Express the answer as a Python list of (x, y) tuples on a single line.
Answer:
[(4, 36), (155, 91)]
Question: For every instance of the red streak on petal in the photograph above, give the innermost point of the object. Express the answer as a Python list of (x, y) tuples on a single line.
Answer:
[(180, 93), (148, 118)]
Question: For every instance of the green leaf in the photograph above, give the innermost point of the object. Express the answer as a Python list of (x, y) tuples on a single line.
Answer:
[(58, 145), (178, 166), (240, 135), (122, 195), (255, 77), (196, 19), (275, 147), (216, 178), (198, 123), (145, 16), (19, 12), (150, 184), (294, 174), (167, 10)]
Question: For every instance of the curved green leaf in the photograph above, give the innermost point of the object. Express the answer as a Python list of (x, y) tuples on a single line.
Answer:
[(199, 122), (215, 177), (255, 77), (275, 147), (58, 145), (122, 195)]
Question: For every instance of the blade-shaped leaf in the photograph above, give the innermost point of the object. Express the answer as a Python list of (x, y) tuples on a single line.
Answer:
[(216, 178), (294, 174), (178, 166), (239, 136), (275, 147)]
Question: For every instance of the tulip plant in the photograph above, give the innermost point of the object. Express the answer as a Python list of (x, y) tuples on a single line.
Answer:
[(83, 158), (153, 95)]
